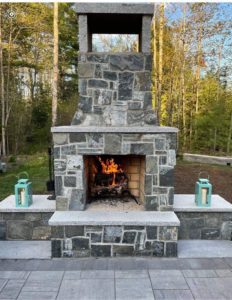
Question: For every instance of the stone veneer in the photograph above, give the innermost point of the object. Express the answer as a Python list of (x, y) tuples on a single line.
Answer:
[(105, 241), (114, 90), (205, 225), (25, 225), (158, 149)]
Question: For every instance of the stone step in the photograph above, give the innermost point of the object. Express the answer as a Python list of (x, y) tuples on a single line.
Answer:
[(25, 249), (135, 218), (204, 248)]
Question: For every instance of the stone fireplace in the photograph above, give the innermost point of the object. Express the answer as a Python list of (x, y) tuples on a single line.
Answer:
[(114, 147)]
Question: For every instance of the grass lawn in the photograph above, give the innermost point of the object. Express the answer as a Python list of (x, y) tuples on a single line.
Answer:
[(37, 168)]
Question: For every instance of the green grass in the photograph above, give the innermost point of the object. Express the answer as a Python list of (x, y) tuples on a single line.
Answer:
[(37, 168)]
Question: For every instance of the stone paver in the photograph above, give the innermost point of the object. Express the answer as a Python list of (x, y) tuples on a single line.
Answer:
[(131, 288), (199, 273), (168, 280), (37, 296), (86, 289), (137, 274), (12, 289), (173, 295), (211, 288), (90, 279), (13, 274)]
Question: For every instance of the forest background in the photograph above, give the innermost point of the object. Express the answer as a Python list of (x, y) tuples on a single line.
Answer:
[(192, 74)]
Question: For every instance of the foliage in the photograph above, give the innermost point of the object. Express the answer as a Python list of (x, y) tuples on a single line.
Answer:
[(37, 168)]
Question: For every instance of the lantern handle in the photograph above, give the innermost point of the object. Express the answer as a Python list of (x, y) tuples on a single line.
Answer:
[(22, 173), (203, 172)]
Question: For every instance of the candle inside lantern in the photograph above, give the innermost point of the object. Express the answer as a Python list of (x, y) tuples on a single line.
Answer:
[(204, 195), (22, 196)]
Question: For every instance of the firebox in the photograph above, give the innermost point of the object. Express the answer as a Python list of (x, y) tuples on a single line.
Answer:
[(115, 177)]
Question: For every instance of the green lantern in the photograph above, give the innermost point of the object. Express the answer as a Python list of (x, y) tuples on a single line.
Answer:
[(203, 192), (23, 193)]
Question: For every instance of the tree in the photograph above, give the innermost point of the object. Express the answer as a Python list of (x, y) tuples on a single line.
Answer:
[(55, 65)]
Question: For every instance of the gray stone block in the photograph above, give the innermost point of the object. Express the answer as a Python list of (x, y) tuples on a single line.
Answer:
[(109, 75), (82, 87), (113, 144), (147, 104), (130, 62), (86, 70), (150, 117), (58, 185), (62, 203), (77, 137), (2, 230), (69, 181), (98, 71), (77, 200), (148, 185), (142, 148), (146, 34), (135, 105), (151, 164), (95, 140), (101, 250), (135, 117), (56, 248), (60, 138), (80, 243), (171, 249), (151, 232), (125, 86), (160, 144), (129, 237), (157, 249), (98, 83), (167, 233), (59, 165), (68, 150), (56, 152), (166, 176), (151, 203), (85, 104), (96, 237), (148, 62), (134, 227), (41, 233), (123, 250), (83, 34), (97, 58), (112, 234), (19, 230), (72, 231), (57, 232), (102, 97), (142, 81)]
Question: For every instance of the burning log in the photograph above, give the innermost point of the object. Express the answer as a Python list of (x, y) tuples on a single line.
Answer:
[(110, 180)]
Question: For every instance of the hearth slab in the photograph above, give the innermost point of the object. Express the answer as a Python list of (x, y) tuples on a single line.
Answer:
[(141, 218), (123, 129), (40, 204), (185, 203)]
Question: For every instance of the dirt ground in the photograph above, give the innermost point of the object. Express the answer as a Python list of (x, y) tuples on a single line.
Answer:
[(186, 175)]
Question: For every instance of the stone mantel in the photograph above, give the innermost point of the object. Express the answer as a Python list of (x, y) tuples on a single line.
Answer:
[(110, 129)]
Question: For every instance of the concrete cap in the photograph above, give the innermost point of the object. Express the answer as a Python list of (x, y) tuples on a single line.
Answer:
[(115, 8)]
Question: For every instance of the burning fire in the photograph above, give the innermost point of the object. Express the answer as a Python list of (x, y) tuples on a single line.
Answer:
[(110, 167)]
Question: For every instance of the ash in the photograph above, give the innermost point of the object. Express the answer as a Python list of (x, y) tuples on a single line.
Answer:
[(114, 204)]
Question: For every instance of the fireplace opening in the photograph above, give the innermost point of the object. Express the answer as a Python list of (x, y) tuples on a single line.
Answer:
[(115, 180)]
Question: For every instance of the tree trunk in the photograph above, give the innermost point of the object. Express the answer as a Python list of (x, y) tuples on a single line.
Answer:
[(160, 75), (154, 98), (2, 90), (55, 65), (229, 136)]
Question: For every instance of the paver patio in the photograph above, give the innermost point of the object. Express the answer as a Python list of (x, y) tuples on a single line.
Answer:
[(117, 278)]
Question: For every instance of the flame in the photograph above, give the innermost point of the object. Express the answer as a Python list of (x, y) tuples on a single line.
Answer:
[(110, 167)]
